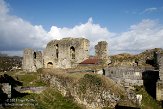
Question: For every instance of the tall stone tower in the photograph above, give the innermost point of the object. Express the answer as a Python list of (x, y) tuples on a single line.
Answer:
[(31, 60), (101, 51), (28, 60)]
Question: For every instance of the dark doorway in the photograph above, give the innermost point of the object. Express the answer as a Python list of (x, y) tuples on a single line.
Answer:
[(34, 55), (149, 80), (72, 52), (50, 65), (57, 51)]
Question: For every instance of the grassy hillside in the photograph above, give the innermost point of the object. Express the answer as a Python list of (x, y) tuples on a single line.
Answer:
[(52, 99), (48, 99)]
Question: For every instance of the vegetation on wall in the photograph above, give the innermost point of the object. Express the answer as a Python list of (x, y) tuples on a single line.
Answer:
[(129, 59), (89, 81), (147, 101)]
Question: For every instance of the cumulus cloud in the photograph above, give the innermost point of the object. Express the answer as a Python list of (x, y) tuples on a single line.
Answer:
[(145, 35), (17, 34), (89, 30), (3, 7)]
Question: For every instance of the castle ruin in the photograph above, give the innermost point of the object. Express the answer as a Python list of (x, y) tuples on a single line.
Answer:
[(64, 53), (101, 51)]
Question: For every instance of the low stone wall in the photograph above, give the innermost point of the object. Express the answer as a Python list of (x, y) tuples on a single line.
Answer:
[(93, 91), (6, 88), (127, 76), (30, 89)]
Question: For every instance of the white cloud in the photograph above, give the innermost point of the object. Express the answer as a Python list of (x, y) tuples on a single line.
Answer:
[(149, 10), (145, 35), (3, 7), (89, 30), (17, 34)]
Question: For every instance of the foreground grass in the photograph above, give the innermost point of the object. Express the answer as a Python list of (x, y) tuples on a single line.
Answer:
[(147, 102), (52, 99), (28, 79), (49, 99)]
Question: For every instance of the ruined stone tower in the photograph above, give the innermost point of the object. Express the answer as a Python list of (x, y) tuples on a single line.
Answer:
[(31, 60), (101, 51), (65, 53)]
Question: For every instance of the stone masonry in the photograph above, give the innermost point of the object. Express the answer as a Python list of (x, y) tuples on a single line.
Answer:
[(6, 88), (159, 87), (101, 51), (126, 76), (64, 53), (31, 60)]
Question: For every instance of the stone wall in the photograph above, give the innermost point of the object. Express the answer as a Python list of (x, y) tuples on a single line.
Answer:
[(38, 61), (159, 85), (101, 51), (28, 60), (66, 53), (32, 60), (159, 91), (6, 88), (127, 76), (160, 65)]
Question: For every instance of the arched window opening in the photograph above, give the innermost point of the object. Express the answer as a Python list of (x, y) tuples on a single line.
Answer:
[(57, 51), (50, 65), (72, 52), (34, 55)]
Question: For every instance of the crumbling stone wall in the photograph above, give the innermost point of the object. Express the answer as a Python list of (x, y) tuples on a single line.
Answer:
[(66, 53), (38, 61), (126, 76), (159, 85), (6, 88), (101, 51), (32, 60), (28, 60), (160, 65)]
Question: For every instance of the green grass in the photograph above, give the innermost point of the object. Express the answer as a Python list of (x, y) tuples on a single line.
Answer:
[(28, 79), (52, 99), (147, 102), (49, 99)]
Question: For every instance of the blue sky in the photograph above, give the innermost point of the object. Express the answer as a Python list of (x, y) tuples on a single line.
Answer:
[(128, 25), (117, 15)]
